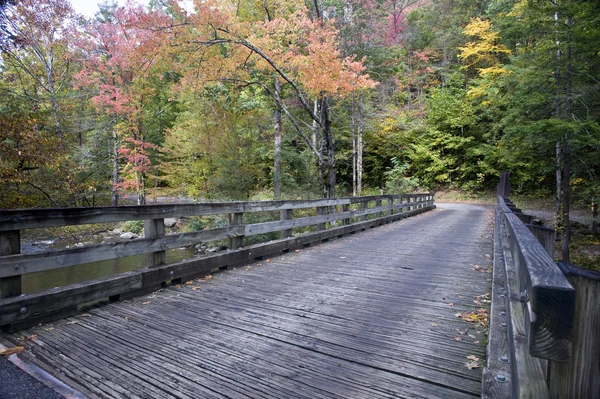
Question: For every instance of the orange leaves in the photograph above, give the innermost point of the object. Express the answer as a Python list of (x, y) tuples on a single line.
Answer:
[(309, 51)]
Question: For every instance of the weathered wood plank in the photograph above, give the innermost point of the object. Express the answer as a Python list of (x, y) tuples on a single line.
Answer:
[(153, 229), (580, 376), (333, 321), (550, 297), (39, 218), (151, 278), (10, 244), (22, 264), (497, 381)]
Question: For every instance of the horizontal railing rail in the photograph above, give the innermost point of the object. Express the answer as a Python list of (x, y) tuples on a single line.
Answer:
[(334, 218), (546, 294)]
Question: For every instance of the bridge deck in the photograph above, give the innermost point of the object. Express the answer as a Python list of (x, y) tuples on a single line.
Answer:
[(369, 315)]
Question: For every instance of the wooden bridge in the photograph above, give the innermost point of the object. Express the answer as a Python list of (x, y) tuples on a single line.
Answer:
[(365, 297)]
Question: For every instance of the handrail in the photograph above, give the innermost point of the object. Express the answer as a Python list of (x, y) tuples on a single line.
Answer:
[(20, 311), (52, 217), (548, 298)]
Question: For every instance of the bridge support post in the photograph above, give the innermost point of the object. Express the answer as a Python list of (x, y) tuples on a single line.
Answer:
[(10, 244), (346, 208), (236, 219), (364, 205), (285, 214), (321, 210), (154, 228)]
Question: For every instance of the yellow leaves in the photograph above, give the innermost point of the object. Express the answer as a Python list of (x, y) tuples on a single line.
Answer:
[(11, 351), (485, 49), (480, 316)]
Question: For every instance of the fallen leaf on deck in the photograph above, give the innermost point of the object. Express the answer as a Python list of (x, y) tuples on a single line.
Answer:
[(195, 288), (458, 338), (297, 250), (450, 304), (461, 332), (435, 325), (472, 365), (11, 351), (268, 260), (259, 264), (146, 303), (476, 342), (189, 282), (471, 336), (477, 303), (49, 329), (73, 322), (473, 357), (34, 336), (85, 315)]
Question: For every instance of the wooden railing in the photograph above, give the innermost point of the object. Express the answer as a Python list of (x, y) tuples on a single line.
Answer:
[(333, 218), (532, 311)]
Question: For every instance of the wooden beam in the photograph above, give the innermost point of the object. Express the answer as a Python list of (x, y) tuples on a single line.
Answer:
[(154, 228), (236, 219), (286, 214), (10, 244)]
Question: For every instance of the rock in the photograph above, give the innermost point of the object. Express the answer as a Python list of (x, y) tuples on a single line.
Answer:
[(212, 249), (170, 222), (199, 246), (129, 236), (537, 222), (117, 231)]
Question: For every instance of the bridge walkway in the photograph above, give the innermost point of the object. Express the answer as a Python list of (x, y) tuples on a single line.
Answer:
[(391, 312)]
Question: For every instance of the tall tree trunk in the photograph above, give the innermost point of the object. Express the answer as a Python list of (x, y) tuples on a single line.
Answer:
[(115, 174), (359, 148), (558, 113), (277, 139), (566, 241), (315, 125), (353, 149), (328, 159)]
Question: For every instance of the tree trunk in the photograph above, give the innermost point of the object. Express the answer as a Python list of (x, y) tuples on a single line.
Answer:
[(566, 240), (277, 139), (115, 176), (353, 149), (359, 148), (328, 160), (315, 125)]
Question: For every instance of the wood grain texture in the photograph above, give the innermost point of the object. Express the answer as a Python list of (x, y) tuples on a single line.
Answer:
[(338, 320), (10, 244), (39, 218), (580, 376), (142, 281), (551, 298), (498, 336)]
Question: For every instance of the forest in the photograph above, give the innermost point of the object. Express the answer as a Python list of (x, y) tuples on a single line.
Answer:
[(263, 99)]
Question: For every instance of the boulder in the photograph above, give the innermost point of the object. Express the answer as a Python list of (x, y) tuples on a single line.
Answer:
[(129, 235), (170, 222)]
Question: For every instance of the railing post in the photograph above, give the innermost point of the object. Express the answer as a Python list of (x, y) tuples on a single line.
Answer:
[(346, 208), (154, 228), (10, 244), (378, 204), (364, 205), (391, 205), (321, 210), (234, 220), (285, 214)]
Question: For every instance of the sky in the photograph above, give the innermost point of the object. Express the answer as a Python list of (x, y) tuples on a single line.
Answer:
[(90, 7)]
